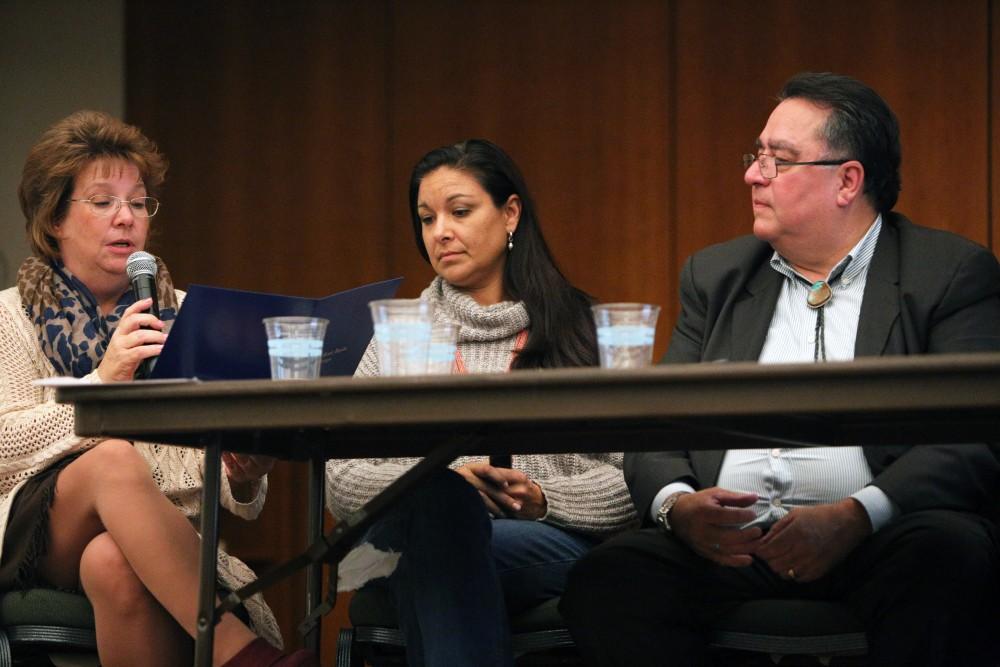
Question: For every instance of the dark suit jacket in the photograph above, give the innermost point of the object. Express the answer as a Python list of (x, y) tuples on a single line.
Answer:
[(927, 292)]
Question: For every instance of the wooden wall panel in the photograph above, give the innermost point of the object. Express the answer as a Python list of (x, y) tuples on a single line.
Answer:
[(274, 117), (994, 126), (927, 59), (577, 94)]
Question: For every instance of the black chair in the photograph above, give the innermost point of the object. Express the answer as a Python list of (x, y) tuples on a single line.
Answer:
[(792, 632), (40, 622), (786, 632)]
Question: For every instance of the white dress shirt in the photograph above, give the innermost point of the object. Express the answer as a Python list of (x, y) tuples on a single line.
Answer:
[(785, 478)]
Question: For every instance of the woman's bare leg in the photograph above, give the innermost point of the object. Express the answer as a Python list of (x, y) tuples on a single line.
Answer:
[(109, 489), (132, 627)]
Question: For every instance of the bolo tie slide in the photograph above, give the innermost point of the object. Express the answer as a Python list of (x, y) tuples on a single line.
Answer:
[(819, 295)]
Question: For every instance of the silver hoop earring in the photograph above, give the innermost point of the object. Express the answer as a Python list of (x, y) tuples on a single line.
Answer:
[(510, 241)]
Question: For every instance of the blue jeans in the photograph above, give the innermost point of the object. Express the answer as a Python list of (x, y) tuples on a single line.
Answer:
[(461, 573)]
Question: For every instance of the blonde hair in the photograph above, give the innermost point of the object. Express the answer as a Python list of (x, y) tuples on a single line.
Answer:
[(62, 153)]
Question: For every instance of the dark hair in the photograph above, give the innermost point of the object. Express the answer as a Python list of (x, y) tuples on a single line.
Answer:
[(861, 127), (61, 154), (562, 329)]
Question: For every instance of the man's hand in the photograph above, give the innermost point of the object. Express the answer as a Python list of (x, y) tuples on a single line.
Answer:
[(505, 491), (806, 543), (709, 522)]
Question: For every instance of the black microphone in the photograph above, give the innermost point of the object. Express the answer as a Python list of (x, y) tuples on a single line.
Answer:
[(141, 269)]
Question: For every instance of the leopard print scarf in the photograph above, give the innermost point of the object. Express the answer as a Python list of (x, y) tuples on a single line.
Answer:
[(70, 328)]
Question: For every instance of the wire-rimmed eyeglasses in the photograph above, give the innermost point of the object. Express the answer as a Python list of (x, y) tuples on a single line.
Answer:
[(108, 205), (769, 164)]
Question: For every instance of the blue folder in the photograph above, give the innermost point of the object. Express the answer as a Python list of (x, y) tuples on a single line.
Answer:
[(219, 333)]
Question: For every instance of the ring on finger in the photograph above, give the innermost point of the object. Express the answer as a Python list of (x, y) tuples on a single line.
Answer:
[(791, 573)]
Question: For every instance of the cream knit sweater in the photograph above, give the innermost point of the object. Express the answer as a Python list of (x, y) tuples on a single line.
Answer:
[(35, 432), (585, 492)]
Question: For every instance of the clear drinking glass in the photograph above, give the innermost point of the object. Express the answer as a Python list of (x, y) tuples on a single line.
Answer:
[(625, 333), (402, 335), (295, 346), (441, 353)]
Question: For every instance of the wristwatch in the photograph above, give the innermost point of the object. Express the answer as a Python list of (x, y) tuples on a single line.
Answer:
[(663, 514)]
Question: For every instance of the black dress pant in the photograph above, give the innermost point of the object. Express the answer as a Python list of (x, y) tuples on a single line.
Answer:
[(926, 587)]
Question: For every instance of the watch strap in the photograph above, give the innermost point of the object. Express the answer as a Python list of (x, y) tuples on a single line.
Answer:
[(663, 514)]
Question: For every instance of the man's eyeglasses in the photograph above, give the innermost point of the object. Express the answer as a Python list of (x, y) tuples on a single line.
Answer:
[(769, 164), (108, 205)]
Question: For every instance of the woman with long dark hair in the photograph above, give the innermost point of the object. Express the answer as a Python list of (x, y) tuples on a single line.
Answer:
[(562, 331), (479, 542)]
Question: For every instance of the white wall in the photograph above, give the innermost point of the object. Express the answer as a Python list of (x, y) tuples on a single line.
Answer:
[(56, 56)]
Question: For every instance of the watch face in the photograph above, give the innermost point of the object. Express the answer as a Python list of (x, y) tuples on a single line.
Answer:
[(661, 514)]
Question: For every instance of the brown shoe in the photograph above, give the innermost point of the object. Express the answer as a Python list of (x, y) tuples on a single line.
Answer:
[(259, 653)]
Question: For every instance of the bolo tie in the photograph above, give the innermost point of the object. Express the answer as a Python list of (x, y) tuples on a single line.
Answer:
[(820, 294)]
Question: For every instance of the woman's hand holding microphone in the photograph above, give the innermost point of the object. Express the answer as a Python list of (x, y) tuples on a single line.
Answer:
[(139, 336)]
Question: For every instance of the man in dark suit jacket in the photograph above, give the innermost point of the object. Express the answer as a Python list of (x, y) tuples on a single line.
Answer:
[(895, 532)]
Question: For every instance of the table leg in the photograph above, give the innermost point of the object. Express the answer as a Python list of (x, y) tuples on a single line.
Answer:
[(209, 555), (331, 548), (314, 573)]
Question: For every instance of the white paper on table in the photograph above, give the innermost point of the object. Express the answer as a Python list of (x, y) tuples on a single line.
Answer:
[(61, 381), (70, 381), (362, 564)]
